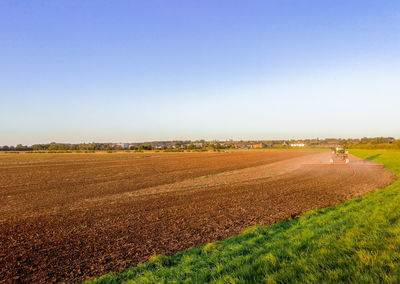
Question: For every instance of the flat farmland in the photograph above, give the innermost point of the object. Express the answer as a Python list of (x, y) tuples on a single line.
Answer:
[(67, 217)]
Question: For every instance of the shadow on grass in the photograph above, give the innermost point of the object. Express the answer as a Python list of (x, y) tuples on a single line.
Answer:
[(370, 158)]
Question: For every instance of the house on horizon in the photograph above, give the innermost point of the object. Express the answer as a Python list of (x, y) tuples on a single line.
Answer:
[(122, 145), (259, 145), (297, 145)]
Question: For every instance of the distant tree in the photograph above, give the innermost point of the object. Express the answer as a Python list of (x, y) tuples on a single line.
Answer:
[(52, 147), (147, 147), (398, 143)]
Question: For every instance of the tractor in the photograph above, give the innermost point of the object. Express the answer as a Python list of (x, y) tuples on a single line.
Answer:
[(339, 153)]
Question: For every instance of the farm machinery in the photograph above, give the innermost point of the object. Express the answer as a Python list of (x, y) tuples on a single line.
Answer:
[(339, 153), (339, 156)]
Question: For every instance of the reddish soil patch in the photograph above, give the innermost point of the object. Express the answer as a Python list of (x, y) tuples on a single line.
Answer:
[(66, 220)]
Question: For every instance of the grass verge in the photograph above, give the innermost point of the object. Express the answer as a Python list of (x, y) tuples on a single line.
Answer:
[(357, 241)]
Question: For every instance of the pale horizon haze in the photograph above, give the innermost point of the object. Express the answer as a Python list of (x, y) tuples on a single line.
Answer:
[(135, 71)]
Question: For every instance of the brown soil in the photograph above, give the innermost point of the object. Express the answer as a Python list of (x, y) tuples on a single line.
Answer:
[(73, 216)]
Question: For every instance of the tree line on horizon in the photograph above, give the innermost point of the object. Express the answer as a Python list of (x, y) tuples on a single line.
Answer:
[(363, 143)]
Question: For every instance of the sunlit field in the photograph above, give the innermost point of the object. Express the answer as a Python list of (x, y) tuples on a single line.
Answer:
[(357, 241)]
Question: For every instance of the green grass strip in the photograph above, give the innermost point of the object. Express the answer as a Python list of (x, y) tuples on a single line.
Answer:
[(355, 242)]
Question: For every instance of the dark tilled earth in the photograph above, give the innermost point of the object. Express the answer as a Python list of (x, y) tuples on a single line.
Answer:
[(47, 238)]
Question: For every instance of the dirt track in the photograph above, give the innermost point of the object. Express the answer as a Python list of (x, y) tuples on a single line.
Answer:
[(73, 217)]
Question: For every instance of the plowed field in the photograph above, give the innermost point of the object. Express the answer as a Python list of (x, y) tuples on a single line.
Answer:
[(66, 217)]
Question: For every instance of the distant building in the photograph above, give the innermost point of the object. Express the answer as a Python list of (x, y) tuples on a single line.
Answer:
[(198, 144), (122, 145), (259, 145), (297, 145), (242, 146)]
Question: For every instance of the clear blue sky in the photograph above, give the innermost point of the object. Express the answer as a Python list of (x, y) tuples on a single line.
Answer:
[(76, 71)]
